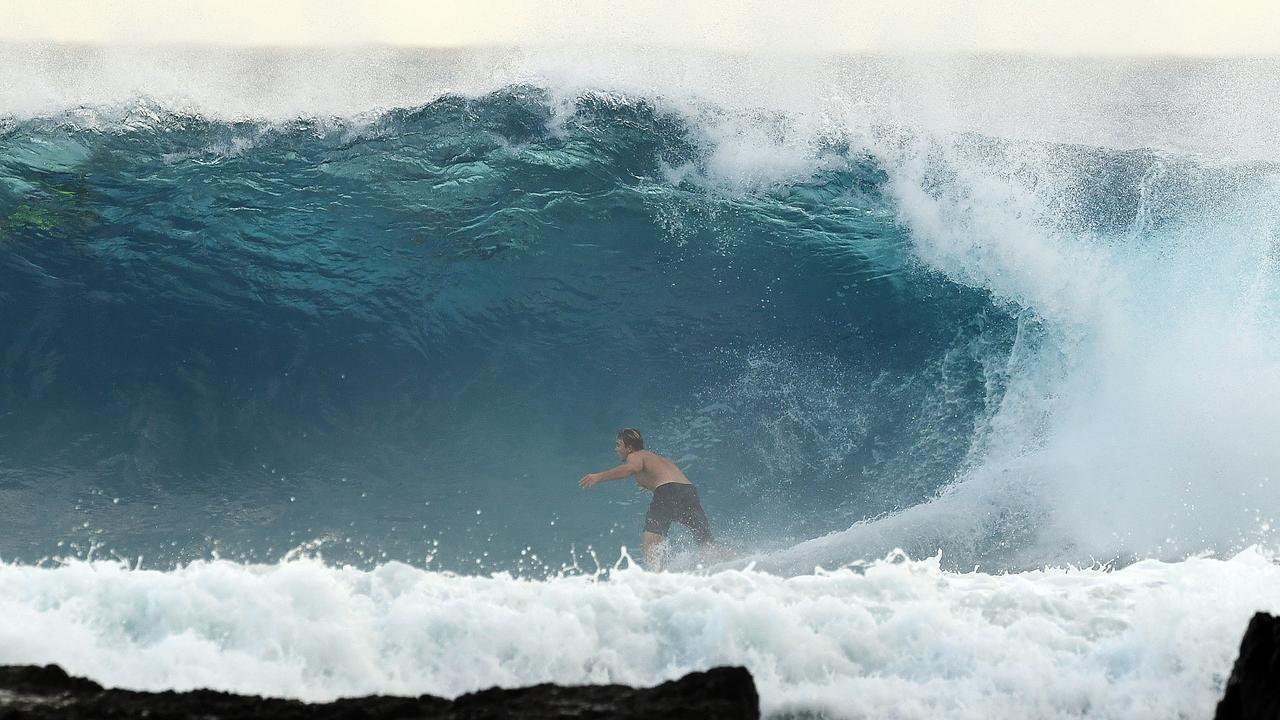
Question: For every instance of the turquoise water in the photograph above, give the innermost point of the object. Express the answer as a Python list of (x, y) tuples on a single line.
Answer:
[(242, 337)]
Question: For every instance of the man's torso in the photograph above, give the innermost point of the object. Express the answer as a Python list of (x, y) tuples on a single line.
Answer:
[(658, 471)]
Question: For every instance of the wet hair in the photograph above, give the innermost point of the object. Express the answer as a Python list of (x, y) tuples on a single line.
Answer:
[(631, 438)]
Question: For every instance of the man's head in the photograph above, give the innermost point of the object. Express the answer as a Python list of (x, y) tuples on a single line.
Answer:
[(629, 440)]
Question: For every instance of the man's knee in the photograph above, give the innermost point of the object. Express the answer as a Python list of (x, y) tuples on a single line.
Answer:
[(652, 550)]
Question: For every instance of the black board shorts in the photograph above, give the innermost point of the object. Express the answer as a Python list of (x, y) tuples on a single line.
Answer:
[(677, 502)]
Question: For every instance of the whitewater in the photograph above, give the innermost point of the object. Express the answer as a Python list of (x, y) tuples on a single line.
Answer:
[(973, 359)]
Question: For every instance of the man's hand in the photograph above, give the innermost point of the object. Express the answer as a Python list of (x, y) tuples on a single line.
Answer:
[(588, 480)]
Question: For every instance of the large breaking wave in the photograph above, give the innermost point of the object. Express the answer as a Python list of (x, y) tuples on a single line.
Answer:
[(401, 334)]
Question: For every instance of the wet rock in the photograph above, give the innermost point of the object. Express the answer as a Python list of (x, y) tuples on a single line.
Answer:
[(39, 693), (1253, 691)]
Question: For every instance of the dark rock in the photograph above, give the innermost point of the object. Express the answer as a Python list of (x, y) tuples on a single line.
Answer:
[(40, 693), (1253, 692)]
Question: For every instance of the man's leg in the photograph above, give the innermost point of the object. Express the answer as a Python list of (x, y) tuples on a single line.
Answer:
[(652, 550), (693, 517)]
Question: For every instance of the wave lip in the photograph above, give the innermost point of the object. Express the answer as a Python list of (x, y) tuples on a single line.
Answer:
[(1212, 107)]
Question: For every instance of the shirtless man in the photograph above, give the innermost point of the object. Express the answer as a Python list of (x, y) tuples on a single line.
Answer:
[(674, 497)]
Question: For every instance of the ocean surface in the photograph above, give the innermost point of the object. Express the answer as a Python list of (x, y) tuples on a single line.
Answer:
[(975, 363)]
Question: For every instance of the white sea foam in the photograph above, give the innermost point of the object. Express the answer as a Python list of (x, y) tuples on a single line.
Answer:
[(896, 638)]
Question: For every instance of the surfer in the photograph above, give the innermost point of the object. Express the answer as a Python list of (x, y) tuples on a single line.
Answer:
[(674, 497)]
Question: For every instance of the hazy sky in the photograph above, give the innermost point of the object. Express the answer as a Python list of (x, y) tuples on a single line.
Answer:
[(1091, 27)]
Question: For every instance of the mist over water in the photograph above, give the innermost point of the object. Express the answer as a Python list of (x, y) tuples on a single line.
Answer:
[(357, 321)]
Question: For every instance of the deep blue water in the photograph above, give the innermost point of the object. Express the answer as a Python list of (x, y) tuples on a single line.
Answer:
[(241, 337)]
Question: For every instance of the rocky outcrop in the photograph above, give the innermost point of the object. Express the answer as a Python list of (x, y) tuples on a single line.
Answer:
[(39, 693), (1253, 691)]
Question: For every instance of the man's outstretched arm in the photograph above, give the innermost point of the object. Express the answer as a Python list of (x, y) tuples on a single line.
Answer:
[(632, 466)]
